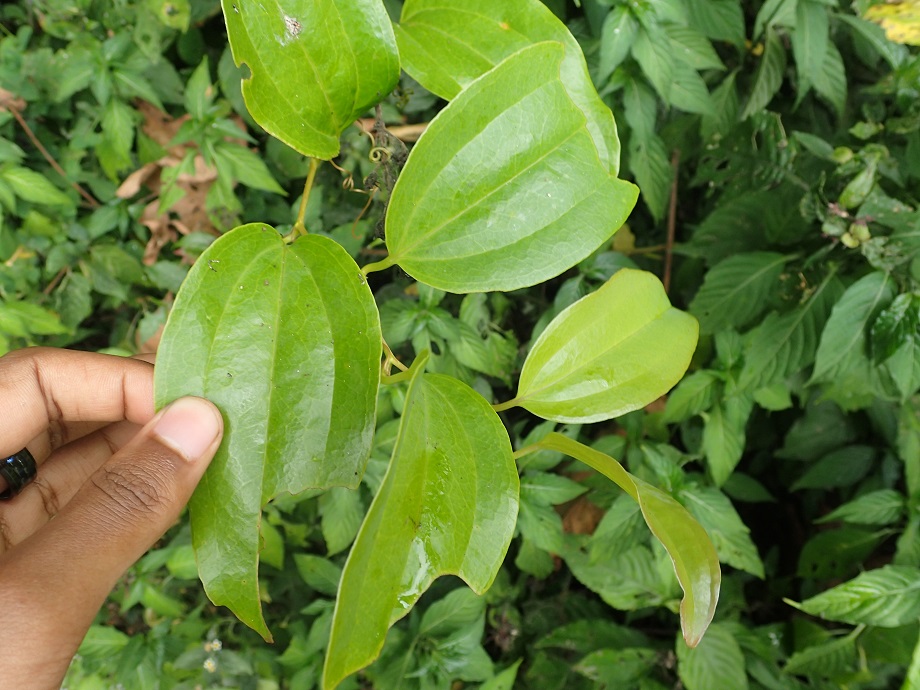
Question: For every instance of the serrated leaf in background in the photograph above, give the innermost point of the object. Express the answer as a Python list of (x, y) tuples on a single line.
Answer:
[(730, 535), (769, 76), (887, 597), (738, 290), (717, 662), (785, 343), (847, 328)]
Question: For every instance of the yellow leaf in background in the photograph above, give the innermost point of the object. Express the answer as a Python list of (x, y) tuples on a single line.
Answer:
[(900, 20)]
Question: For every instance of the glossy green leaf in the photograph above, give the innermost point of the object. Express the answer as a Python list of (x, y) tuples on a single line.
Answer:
[(494, 183), (285, 340), (613, 351), (316, 65), (886, 597), (737, 290), (446, 46), (692, 553), (448, 505)]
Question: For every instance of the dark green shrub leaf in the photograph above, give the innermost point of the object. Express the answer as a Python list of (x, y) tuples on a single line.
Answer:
[(613, 351), (785, 343), (769, 75), (836, 553), (316, 65), (842, 467), (737, 290), (897, 325), (445, 47), (448, 505), (722, 523), (724, 435), (717, 662), (886, 597), (847, 328), (450, 222), (295, 328), (824, 660), (882, 507)]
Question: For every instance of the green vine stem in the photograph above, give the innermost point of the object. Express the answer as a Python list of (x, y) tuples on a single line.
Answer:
[(299, 227)]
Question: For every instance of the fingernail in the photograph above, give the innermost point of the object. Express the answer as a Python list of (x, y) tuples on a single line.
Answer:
[(188, 426)]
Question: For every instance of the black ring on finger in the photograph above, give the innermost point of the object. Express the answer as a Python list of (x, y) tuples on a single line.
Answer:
[(19, 471)]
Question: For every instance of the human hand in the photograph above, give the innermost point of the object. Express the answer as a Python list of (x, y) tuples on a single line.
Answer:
[(113, 476)]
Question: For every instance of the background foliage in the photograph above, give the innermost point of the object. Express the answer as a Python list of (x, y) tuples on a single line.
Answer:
[(793, 127)]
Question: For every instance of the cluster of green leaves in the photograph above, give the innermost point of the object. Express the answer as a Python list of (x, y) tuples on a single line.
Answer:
[(794, 441)]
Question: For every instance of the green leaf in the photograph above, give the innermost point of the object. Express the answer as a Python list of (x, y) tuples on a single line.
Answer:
[(447, 46), (810, 38), (615, 668), (831, 80), (692, 553), (847, 327), (719, 518), (493, 182), (689, 92), (717, 662), (33, 187), (724, 435), (542, 488), (737, 290), (505, 679), (295, 328), (839, 468), (239, 163), (649, 162), (617, 35), (837, 553), (342, 511), (785, 343), (719, 20), (448, 505), (898, 324), (886, 597), (653, 51), (336, 58), (103, 642), (692, 48), (320, 573), (769, 76), (691, 396), (613, 351), (824, 660)]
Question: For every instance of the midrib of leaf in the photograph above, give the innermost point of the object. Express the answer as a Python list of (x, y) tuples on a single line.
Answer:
[(467, 240), (433, 231), (727, 297)]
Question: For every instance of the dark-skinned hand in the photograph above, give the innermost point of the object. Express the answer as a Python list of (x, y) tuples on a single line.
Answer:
[(112, 478)]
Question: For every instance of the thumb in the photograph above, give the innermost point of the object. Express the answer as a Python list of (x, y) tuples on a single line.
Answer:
[(64, 572)]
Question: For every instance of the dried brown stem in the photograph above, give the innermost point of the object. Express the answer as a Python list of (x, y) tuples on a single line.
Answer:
[(672, 222), (48, 157)]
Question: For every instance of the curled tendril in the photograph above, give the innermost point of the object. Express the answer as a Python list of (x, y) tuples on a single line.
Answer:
[(380, 154)]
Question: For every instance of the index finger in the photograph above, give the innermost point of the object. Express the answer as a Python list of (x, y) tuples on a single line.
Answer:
[(43, 389)]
